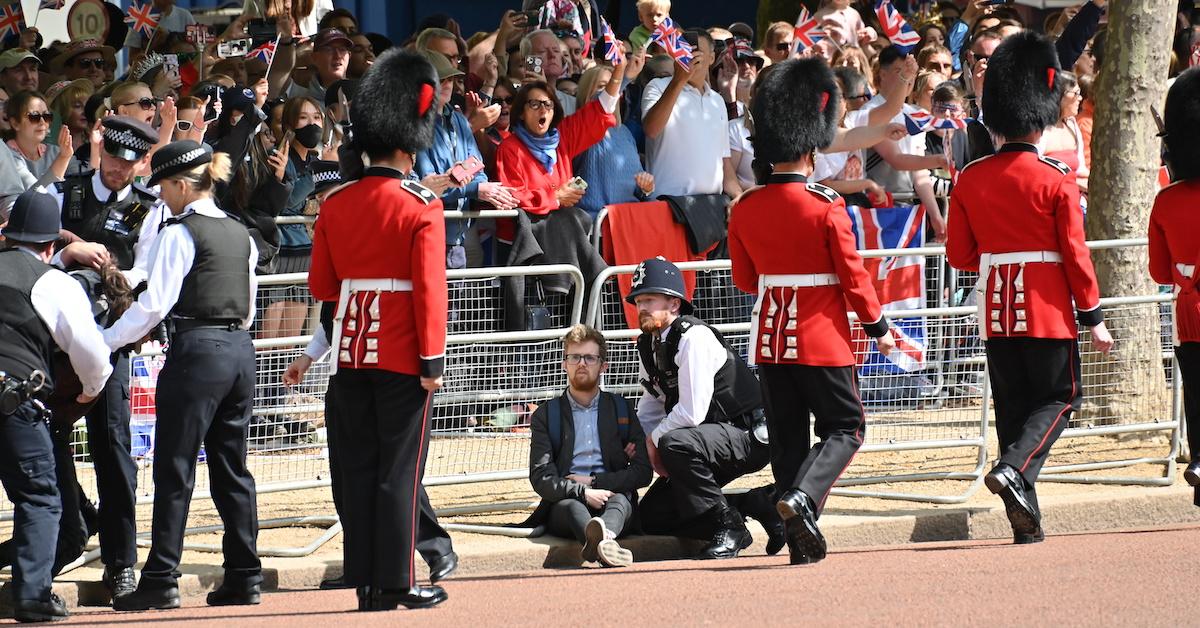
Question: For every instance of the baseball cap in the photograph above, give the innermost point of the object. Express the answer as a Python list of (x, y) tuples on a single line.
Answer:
[(16, 56), (441, 63), (330, 36)]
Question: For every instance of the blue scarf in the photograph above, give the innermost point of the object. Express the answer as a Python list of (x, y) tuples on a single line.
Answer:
[(544, 149)]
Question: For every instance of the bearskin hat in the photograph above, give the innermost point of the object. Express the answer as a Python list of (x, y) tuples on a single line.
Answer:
[(794, 110), (1021, 90), (394, 107), (1181, 118)]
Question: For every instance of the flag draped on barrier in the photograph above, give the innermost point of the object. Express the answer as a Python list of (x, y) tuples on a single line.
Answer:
[(899, 281)]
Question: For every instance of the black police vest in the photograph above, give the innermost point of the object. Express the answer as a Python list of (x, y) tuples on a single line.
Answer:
[(25, 342), (218, 285), (114, 225), (736, 391)]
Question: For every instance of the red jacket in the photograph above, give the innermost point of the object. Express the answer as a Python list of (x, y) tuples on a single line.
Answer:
[(1017, 201), (383, 226), (532, 185), (1175, 240), (791, 227)]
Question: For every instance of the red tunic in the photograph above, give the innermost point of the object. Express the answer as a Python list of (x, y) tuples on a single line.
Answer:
[(532, 185), (1017, 201), (1175, 241), (383, 226), (791, 227)]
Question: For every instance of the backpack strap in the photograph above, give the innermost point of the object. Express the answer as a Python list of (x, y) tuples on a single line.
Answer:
[(623, 417)]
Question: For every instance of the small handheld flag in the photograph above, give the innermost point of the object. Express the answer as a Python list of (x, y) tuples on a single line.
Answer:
[(895, 28)]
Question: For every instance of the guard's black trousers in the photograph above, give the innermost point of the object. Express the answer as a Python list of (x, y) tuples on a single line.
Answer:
[(116, 472), (27, 472), (382, 440), (1188, 354), (433, 542), (699, 461), (1036, 387), (205, 396), (830, 394)]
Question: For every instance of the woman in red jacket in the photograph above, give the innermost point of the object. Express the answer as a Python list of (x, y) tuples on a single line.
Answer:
[(535, 161)]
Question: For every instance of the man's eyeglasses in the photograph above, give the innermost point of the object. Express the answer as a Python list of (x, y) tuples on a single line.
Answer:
[(538, 105), (589, 359), (145, 103), (84, 64)]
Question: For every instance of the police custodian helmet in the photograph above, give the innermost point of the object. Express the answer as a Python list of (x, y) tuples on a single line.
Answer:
[(658, 276)]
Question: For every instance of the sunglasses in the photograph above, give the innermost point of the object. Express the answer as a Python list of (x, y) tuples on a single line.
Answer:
[(932, 65), (507, 100), (184, 125), (145, 103), (36, 117), (783, 46), (90, 63), (859, 97), (538, 105)]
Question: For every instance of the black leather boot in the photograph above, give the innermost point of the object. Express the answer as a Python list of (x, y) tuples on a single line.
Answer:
[(730, 538), (805, 542), (30, 611), (1004, 481), (759, 504)]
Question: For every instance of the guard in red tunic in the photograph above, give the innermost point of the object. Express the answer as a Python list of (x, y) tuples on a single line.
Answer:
[(1175, 247), (1015, 218), (379, 253), (791, 243)]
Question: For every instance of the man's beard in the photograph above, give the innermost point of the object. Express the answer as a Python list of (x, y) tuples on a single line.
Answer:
[(584, 383)]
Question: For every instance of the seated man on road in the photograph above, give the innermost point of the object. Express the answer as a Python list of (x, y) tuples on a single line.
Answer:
[(587, 459)]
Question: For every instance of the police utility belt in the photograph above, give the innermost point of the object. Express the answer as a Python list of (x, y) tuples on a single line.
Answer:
[(988, 260), (350, 287), (15, 391), (179, 325)]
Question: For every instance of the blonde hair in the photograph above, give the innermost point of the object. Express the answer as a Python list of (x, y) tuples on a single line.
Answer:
[(661, 5), (587, 87), (775, 32), (205, 177), (64, 101), (579, 334)]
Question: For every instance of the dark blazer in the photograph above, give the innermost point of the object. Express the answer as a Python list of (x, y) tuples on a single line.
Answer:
[(548, 469)]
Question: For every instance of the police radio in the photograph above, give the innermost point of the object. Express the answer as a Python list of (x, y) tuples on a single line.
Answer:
[(75, 203)]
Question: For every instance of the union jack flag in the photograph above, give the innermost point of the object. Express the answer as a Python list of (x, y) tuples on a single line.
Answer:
[(12, 19), (920, 121), (957, 124), (611, 45), (669, 37), (51, 4), (899, 281), (895, 28), (266, 52), (807, 32), (142, 18)]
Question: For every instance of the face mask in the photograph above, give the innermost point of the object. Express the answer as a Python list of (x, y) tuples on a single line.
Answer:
[(309, 136)]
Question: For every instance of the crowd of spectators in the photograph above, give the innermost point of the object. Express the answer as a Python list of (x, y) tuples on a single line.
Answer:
[(551, 124)]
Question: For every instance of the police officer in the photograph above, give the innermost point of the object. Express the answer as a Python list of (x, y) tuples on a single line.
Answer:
[(379, 253), (201, 280), (105, 207), (1175, 247), (791, 243), (41, 307), (701, 412), (1015, 218)]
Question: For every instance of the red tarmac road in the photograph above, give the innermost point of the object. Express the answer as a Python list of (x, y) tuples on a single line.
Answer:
[(1138, 578)]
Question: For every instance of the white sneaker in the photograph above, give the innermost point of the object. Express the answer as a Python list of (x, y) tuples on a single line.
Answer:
[(594, 533), (613, 555)]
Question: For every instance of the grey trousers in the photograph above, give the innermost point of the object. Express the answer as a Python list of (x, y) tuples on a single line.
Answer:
[(569, 516)]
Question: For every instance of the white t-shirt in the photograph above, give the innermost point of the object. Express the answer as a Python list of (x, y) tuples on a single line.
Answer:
[(889, 178), (741, 148), (687, 157)]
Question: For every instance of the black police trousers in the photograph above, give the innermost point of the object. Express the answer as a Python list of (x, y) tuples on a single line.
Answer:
[(699, 461), (433, 542), (116, 472), (1036, 387), (205, 396), (830, 394), (27, 473), (382, 440), (1188, 355)]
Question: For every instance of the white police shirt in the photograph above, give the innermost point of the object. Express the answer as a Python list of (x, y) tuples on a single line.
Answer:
[(171, 259), (699, 358), (62, 305)]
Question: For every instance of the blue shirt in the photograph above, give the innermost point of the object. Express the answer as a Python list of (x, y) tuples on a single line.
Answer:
[(609, 168), (955, 38), (296, 236), (452, 143), (586, 458)]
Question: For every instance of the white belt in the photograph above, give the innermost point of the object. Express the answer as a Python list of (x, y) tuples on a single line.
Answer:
[(811, 280), (988, 260), (349, 287)]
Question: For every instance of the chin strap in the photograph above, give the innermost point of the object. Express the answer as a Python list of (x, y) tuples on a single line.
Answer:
[(1050, 73)]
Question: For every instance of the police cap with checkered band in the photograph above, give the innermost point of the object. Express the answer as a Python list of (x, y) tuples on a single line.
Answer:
[(127, 138), (658, 276)]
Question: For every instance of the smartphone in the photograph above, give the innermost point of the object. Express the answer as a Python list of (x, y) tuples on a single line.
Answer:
[(533, 63), (577, 183), (285, 142), (462, 172), (692, 38), (233, 48), (530, 16)]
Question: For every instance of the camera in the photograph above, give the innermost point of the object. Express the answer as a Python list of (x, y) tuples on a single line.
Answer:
[(234, 48)]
